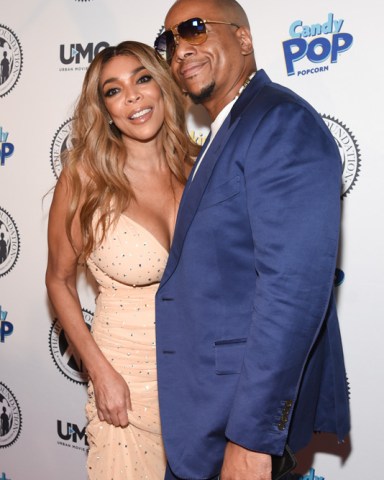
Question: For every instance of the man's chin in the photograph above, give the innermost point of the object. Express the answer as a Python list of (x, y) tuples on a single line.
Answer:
[(204, 94)]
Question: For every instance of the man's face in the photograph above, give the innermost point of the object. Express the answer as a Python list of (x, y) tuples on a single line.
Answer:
[(209, 70)]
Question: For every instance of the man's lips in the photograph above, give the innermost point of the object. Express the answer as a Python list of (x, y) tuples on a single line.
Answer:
[(191, 69)]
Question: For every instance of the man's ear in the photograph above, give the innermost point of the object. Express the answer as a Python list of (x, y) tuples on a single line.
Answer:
[(245, 40)]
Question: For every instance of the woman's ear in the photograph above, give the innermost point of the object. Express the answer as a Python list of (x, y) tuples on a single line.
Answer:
[(245, 40)]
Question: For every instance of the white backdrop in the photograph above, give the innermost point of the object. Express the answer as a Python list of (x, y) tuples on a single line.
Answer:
[(45, 48)]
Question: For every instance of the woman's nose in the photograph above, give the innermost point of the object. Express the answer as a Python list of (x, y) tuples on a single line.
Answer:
[(132, 96)]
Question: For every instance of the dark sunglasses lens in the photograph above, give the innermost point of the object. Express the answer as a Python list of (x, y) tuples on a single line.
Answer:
[(193, 31), (165, 45)]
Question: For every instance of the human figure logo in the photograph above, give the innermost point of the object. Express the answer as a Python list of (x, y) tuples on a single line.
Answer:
[(9, 242), (61, 142), (349, 152), (11, 60), (64, 355), (10, 417)]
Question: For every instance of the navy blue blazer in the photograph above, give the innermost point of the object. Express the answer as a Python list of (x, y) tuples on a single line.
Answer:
[(248, 339)]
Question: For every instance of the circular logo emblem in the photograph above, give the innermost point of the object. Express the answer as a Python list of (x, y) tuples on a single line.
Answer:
[(10, 426), (60, 143), (11, 60), (64, 355), (9, 242), (349, 152)]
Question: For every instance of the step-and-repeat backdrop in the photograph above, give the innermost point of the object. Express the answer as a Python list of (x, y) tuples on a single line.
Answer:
[(329, 52)]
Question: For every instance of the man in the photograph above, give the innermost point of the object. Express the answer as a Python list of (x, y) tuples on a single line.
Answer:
[(249, 350)]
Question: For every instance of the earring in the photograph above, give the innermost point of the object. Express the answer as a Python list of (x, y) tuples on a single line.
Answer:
[(110, 121)]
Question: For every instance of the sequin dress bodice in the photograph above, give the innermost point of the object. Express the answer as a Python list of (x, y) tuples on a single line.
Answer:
[(128, 267), (130, 256)]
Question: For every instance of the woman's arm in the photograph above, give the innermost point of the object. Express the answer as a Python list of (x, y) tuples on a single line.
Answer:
[(111, 391)]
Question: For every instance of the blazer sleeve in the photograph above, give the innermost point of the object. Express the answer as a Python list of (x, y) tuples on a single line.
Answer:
[(292, 174)]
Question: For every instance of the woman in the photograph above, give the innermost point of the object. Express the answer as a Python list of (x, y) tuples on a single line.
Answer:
[(115, 206)]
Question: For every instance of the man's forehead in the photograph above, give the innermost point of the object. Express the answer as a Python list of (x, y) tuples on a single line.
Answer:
[(187, 9)]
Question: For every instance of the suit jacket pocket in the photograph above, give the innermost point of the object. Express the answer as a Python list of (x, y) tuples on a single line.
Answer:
[(221, 193), (229, 355)]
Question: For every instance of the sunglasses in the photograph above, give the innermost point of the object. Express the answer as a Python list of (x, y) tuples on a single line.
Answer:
[(192, 31)]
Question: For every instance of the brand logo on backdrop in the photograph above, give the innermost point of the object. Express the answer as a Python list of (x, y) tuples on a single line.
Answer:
[(198, 137), (71, 436), (311, 476), (76, 56), (64, 355), (9, 242), (11, 60), (61, 142), (10, 417), (6, 327), (6, 148), (349, 152), (318, 43)]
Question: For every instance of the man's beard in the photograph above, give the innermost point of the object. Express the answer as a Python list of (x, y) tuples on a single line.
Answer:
[(204, 94)]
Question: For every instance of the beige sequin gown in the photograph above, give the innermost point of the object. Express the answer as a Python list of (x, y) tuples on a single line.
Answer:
[(128, 267)]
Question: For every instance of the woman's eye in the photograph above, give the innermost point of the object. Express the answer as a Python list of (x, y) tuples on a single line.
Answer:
[(110, 92), (145, 79)]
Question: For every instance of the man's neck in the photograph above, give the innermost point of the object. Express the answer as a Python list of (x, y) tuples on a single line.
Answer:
[(214, 104)]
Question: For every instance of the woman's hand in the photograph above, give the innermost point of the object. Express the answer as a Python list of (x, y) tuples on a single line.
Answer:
[(112, 397)]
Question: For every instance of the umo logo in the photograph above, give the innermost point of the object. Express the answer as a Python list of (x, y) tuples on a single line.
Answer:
[(72, 436), (349, 152), (76, 54), (60, 143), (6, 148), (65, 357), (11, 60), (316, 43), (10, 416), (9, 242), (6, 328), (311, 476)]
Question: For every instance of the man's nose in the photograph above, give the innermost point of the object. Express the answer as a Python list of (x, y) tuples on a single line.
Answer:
[(183, 48)]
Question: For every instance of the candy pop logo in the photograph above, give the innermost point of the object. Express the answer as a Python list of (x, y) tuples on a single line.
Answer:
[(6, 148), (318, 43), (6, 327), (311, 476)]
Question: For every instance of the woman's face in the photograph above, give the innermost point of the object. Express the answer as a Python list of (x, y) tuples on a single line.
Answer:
[(132, 98)]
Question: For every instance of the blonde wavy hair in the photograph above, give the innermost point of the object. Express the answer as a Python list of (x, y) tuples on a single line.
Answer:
[(94, 166)]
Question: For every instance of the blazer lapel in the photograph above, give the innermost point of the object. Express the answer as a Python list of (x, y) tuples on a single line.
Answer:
[(193, 193), (195, 187)]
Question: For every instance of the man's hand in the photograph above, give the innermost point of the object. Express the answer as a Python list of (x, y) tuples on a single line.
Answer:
[(242, 464)]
